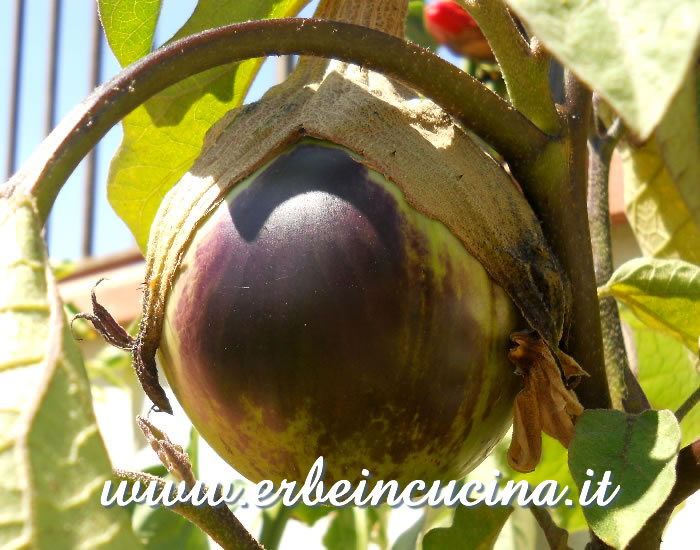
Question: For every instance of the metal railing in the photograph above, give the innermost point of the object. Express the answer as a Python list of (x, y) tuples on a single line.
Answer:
[(19, 43), (54, 13)]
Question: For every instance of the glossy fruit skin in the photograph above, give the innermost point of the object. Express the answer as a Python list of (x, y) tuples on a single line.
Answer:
[(316, 313), (450, 24)]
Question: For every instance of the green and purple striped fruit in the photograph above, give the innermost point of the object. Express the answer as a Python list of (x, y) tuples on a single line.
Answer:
[(316, 313)]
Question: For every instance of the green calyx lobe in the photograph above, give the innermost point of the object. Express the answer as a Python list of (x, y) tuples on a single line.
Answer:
[(316, 313)]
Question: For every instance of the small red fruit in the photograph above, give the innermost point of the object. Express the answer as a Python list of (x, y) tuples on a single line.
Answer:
[(451, 25)]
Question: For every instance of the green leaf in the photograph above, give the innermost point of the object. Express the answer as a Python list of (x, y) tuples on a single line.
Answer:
[(129, 26), (472, 529), (662, 195), (665, 294), (348, 530), (640, 451), (164, 137), (552, 466), (668, 372), (634, 53), (163, 529), (310, 515), (53, 463)]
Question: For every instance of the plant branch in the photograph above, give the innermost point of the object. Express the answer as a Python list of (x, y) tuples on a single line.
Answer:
[(585, 342), (219, 523), (525, 69), (688, 404), (555, 185), (687, 483), (480, 110), (557, 538), (625, 392)]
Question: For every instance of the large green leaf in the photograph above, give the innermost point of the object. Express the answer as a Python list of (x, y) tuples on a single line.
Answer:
[(129, 26), (640, 452), (472, 529), (668, 372), (662, 195), (163, 138), (53, 463), (634, 53), (665, 294)]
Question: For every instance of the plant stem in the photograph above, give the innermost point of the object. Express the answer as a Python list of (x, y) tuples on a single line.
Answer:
[(625, 392), (557, 538), (555, 185), (219, 523), (525, 70), (585, 339), (480, 110), (688, 404)]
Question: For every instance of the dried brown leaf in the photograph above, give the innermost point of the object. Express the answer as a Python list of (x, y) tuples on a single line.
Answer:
[(546, 403)]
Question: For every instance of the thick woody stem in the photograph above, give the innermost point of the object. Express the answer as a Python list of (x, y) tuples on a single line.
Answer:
[(585, 342), (555, 185), (480, 110)]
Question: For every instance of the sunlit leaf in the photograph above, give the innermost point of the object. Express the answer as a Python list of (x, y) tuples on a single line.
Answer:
[(163, 138), (668, 372), (664, 294), (129, 26), (662, 195), (53, 463), (634, 53), (640, 452)]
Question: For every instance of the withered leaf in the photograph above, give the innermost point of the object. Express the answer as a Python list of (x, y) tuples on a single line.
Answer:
[(546, 404)]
